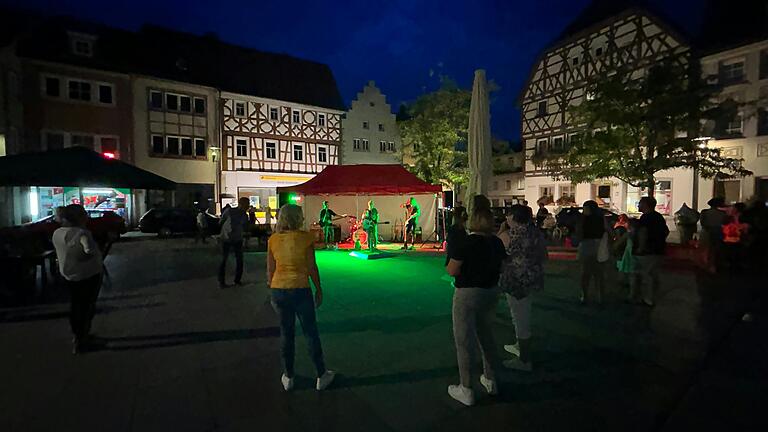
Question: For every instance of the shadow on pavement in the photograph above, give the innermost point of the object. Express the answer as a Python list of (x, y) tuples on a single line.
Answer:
[(191, 338), (387, 325), (12, 317)]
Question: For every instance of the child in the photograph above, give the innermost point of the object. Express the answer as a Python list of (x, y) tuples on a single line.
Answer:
[(626, 264)]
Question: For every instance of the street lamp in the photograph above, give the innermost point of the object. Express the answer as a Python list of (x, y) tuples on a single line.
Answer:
[(702, 144), (215, 153)]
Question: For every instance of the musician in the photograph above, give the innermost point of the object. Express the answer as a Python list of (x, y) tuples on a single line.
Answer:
[(371, 225), (412, 212), (326, 222)]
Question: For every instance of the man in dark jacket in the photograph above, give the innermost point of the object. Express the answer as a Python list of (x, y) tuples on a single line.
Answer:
[(651, 245)]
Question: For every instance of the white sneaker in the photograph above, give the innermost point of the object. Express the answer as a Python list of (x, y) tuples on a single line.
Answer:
[(490, 385), (516, 363), (462, 394), (512, 349), (324, 381), (287, 382), (748, 317)]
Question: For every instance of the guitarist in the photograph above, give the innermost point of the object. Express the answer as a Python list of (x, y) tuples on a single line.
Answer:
[(371, 225), (413, 211), (326, 222)]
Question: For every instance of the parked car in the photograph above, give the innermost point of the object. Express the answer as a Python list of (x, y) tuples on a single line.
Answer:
[(568, 217), (168, 221)]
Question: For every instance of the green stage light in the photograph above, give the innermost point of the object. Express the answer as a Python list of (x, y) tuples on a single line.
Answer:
[(294, 198)]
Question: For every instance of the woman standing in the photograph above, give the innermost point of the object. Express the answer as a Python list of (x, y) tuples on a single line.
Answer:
[(290, 267), (522, 274), (81, 266), (590, 231), (475, 264)]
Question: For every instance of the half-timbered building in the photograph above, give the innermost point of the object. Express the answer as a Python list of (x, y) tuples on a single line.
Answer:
[(606, 36)]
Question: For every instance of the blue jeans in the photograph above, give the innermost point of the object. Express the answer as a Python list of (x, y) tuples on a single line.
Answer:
[(290, 303)]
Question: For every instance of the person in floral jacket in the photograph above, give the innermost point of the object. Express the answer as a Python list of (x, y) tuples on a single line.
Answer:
[(522, 275)]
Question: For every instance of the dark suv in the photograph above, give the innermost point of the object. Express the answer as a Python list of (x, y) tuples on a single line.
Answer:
[(169, 221)]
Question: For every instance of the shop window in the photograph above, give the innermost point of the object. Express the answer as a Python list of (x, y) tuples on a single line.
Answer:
[(158, 144), (186, 146), (662, 194), (199, 105)]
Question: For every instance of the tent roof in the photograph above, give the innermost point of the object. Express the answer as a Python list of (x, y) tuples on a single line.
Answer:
[(364, 179), (76, 166)]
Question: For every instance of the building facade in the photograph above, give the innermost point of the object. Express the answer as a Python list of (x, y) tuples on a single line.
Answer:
[(268, 143), (369, 130), (632, 39), (507, 185)]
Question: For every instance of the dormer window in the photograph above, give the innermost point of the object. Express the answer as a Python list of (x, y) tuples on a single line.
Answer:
[(81, 44)]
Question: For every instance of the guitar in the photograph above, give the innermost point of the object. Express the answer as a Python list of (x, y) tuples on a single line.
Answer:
[(335, 218)]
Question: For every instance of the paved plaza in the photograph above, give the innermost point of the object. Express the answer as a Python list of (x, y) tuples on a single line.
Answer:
[(184, 355)]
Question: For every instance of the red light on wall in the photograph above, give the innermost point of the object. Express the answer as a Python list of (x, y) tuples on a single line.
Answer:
[(109, 155)]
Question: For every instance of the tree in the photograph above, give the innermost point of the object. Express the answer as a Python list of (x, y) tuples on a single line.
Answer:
[(634, 127), (434, 134)]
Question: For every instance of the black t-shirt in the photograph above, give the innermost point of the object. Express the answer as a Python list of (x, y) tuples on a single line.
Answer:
[(657, 232), (454, 236), (481, 257), (326, 217)]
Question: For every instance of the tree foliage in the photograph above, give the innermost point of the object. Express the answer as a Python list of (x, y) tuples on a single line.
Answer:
[(634, 127), (434, 133)]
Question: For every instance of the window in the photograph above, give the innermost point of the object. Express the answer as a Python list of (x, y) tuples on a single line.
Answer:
[(732, 72), (52, 87), (79, 90), (155, 99), (185, 104), (762, 121), (105, 93), (241, 147), (735, 125), (321, 120), (508, 185), (365, 125), (298, 152), (274, 115), (541, 147), (81, 45), (239, 109), (730, 189), (296, 116), (186, 147), (391, 146), (371, 104), (495, 185), (547, 191), (382, 146), (521, 183), (173, 145), (566, 192), (199, 105), (200, 147), (381, 127), (573, 139), (82, 141), (356, 144), (108, 145), (763, 64), (270, 150), (365, 145), (557, 144), (322, 154), (575, 61), (158, 144), (599, 51), (542, 109), (54, 140), (171, 102)]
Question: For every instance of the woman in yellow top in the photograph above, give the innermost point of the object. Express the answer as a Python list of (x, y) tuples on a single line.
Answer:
[(290, 266)]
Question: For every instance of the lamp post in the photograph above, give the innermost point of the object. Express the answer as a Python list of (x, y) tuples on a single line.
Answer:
[(215, 153), (702, 144)]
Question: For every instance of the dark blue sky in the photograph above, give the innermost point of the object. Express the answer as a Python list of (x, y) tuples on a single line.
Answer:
[(403, 45)]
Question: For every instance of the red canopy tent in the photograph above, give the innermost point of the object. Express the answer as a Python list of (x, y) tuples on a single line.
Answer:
[(347, 188), (364, 179)]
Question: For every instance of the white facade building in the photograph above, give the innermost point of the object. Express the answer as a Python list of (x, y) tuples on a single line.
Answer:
[(507, 185), (268, 143), (369, 130)]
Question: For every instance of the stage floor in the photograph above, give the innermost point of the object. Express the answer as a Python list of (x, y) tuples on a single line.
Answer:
[(387, 247)]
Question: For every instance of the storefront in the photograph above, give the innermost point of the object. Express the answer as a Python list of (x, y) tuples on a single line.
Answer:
[(43, 200), (663, 195)]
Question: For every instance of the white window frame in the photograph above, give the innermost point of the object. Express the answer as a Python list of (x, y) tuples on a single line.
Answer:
[(235, 104), (356, 144), (323, 150), (80, 81), (295, 116), (276, 110), (247, 148), (191, 104), (570, 187), (562, 143), (167, 146), (89, 40), (521, 183), (391, 146), (733, 130), (365, 145), (300, 147), (162, 100), (729, 66), (178, 102), (538, 150), (321, 120), (270, 145), (382, 146), (551, 189)]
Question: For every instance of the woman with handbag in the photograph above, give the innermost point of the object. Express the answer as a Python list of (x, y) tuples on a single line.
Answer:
[(593, 249), (522, 274)]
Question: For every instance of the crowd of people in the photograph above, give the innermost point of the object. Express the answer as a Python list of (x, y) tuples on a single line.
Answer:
[(487, 264)]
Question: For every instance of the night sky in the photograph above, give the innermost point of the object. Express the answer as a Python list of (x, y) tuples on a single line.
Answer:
[(403, 45)]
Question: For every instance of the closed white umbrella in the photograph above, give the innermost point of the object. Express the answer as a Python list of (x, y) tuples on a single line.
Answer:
[(479, 148)]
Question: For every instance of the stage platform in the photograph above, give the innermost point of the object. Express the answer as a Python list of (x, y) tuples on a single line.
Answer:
[(392, 248)]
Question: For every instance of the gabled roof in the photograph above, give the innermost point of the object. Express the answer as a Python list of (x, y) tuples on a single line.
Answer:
[(364, 179)]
